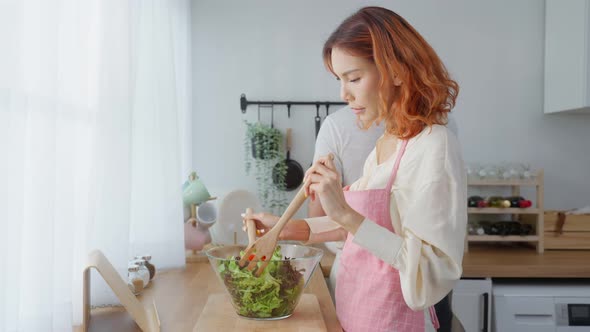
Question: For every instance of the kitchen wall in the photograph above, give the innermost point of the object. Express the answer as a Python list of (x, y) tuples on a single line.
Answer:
[(271, 50)]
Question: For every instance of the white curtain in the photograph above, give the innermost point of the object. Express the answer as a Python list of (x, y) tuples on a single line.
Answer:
[(94, 146)]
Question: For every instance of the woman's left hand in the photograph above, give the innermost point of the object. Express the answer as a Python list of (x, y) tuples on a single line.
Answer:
[(323, 181)]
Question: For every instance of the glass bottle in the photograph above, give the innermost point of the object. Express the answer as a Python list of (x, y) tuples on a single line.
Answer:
[(526, 172), (471, 229), (492, 172), (482, 228), (473, 171), (519, 202), (514, 170), (476, 202), (498, 202), (482, 173), (504, 171)]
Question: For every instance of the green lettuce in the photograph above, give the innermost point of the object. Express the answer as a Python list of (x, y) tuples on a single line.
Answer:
[(273, 294)]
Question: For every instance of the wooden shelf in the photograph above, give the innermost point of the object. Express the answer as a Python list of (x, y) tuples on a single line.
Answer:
[(515, 182), (538, 212), (503, 210), (498, 238)]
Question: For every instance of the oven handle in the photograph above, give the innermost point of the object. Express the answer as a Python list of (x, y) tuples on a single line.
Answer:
[(485, 312)]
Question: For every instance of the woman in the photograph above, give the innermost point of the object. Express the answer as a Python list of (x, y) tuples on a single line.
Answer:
[(404, 220)]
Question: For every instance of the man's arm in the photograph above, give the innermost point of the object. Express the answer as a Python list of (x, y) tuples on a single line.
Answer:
[(325, 143), (314, 209)]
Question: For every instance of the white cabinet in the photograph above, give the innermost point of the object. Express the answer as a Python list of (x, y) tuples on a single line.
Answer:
[(472, 304), (567, 56)]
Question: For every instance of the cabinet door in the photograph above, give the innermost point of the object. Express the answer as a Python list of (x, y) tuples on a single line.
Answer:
[(567, 55), (471, 304)]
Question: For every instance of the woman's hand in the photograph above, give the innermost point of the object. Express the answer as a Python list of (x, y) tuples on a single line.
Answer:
[(263, 221), (296, 230), (323, 181)]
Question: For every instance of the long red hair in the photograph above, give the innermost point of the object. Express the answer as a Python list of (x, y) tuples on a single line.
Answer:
[(427, 92)]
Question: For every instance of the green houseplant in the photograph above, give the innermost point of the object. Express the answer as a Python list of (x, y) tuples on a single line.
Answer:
[(263, 148)]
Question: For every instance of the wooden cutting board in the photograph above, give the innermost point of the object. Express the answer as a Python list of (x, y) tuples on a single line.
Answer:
[(219, 315)]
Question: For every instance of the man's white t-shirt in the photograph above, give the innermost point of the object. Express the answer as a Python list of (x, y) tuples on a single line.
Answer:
[(341, 135)]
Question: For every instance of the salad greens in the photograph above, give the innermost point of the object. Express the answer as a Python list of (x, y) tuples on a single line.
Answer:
[(273, 294)]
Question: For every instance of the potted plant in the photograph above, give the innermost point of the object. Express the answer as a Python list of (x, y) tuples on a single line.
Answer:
[(263, 148)]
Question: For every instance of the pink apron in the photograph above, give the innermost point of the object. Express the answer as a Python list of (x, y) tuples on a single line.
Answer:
[(368, 290)]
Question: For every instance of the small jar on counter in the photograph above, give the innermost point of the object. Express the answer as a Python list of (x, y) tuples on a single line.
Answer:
[(134, 279), (150, 266), (143, 271)]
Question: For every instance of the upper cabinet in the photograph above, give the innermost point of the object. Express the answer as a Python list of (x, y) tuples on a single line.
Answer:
[(567, 56)]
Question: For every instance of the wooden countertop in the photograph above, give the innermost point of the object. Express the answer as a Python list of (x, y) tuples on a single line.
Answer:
[(180, 296), (483, 261), (496, 262)]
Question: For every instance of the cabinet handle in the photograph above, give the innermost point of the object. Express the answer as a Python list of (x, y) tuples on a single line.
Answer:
[(485, 312)]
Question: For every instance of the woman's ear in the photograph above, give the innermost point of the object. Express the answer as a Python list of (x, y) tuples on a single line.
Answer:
[(396, 80)]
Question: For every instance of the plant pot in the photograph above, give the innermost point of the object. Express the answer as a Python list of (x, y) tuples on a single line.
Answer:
[(263, 145), (269, 152)]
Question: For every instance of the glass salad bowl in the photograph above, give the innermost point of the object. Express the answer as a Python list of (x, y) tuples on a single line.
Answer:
[(275, 294)]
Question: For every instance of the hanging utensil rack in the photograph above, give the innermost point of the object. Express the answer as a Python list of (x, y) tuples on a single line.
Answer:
[(245, 102)]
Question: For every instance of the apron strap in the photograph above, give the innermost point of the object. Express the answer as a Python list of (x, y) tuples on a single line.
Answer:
[(434, 318), (402, 149)]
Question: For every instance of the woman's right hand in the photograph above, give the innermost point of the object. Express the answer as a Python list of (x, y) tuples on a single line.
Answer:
[(296, 230)]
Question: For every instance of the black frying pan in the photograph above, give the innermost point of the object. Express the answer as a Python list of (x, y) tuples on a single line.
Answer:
[(294, 175)]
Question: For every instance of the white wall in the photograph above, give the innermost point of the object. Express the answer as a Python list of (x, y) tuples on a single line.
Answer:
[(271, 50)]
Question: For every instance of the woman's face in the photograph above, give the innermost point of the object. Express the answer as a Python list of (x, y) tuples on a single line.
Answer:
[(359, 81)]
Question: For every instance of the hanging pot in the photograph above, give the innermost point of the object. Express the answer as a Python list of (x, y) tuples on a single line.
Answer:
[(294, 174), (273, 146)]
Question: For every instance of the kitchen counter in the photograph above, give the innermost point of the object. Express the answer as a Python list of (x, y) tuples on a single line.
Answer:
[(496, 262), (180, 297), (485, 261)]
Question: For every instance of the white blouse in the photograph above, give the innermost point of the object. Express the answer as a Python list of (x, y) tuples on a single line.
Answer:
[(428, 212)]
